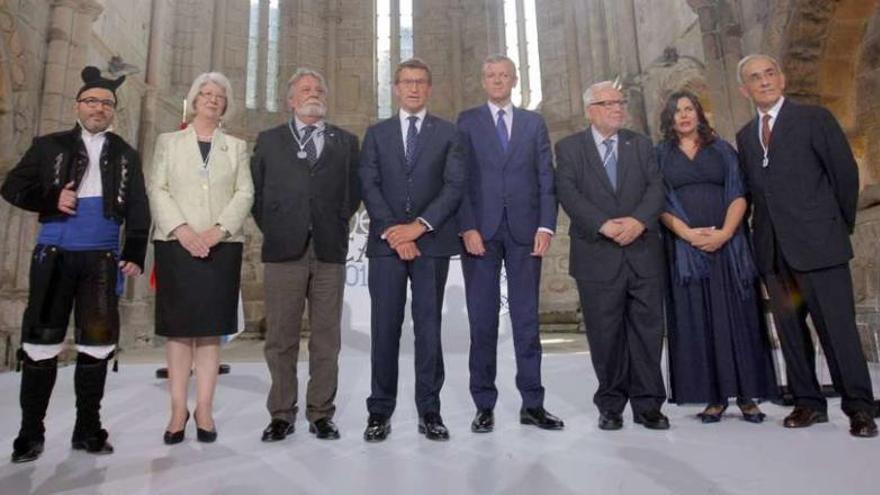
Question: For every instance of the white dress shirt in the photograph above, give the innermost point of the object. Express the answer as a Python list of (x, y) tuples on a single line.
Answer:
[(773, 113), (599, 139), (508, 115), (90, 186), (404, 123), (318, 134)]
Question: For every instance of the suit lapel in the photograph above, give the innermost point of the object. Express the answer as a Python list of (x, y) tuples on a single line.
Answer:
[(217, 156), (331, 145), (396, 140), (194, 153), (594, 161), (487, 120), (424, 137), (624, 158), (783, 124), (517, 133)]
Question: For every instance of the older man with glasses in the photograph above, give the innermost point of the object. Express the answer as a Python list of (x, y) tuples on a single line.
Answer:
[(608, 182)]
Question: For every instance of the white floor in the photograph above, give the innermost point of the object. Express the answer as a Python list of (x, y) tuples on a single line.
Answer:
[(732, 457)]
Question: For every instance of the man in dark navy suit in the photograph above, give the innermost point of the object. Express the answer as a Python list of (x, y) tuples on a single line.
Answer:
[(507, 216), (412, 179), (804, 184)]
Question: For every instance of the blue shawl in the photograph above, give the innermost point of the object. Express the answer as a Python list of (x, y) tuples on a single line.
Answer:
[(691, 263)]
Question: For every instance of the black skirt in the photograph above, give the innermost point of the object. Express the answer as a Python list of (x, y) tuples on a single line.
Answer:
[(197, 297)]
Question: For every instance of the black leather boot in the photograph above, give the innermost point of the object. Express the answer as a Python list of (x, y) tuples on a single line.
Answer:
[(37, 382), (88, 383)]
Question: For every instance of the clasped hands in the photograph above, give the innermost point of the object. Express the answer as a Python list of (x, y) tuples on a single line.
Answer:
[(402, 238), (622, 230), (708, 239), (198, 244)]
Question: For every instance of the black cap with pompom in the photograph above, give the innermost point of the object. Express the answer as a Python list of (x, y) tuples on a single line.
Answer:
[(91, 77)]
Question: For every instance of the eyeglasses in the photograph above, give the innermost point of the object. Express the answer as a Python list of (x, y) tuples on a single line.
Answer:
[(413, 82), (610, 103), (94, 102), (212, 96)]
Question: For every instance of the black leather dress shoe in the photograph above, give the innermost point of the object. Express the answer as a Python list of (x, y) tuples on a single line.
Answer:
[(431, 425), (94, 444), (862, 425), (652, 420), (803, 417), (324, 429), (171, 438), (26, 449), (483, 422), (277, 430), (610, 421), (378, 428), (539, 417)]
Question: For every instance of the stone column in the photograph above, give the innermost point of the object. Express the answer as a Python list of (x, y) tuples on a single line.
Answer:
[(722, 46), (155, 47), (572, 60), (456, 18), (218, 36), (630, 63), (60, 41), (332, 19)]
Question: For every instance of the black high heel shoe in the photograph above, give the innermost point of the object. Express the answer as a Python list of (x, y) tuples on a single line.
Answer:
[(751, 413), (712, 417), (205, 436), (171, 438)]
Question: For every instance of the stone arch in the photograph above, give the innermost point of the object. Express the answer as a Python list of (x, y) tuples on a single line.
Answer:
[(823, 54)]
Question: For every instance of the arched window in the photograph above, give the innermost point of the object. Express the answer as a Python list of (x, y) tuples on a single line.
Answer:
[(260, 27), (394, 42), (521, 40)]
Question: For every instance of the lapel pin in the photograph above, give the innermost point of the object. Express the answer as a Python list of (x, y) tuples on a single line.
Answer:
[(224, 148)]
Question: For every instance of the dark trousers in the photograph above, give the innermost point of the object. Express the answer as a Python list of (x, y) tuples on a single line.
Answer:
[(288, 285), (482, 278), (388, 283), (60, 278), (827, 295), (624, 322)]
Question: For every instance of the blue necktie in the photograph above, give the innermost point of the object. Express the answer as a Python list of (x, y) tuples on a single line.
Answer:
[(501, 130), (609, 161), (310, 149), (412, 135)]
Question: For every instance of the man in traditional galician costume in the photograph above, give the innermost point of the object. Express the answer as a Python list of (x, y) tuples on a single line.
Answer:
[(84, 183)]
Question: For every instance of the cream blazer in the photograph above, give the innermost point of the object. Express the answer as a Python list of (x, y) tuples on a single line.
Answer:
[(182, 190)]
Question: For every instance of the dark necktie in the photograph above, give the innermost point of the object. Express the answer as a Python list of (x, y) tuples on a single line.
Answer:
[(412, 135), (610, 162), (310, 148), (765, 130), (501, 130)]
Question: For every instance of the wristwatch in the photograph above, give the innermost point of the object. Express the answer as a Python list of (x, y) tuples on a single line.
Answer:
[(226, 233)]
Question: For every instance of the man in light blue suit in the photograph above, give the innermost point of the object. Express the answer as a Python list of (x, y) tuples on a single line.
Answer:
[(508, 215)]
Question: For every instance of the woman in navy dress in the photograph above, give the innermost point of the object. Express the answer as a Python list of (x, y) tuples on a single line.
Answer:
[(718, 344)]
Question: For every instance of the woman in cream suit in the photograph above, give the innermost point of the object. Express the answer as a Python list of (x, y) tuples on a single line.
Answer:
[(200, 192)]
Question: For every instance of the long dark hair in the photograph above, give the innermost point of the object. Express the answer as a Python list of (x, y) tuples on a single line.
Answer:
[(705, 132)]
